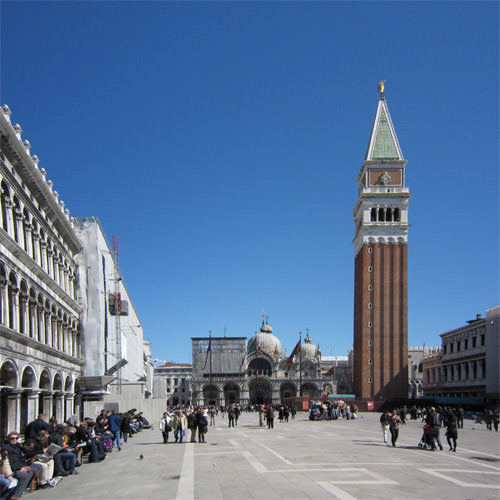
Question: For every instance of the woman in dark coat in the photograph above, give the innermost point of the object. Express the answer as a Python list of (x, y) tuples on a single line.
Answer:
[(202, 425), (125, 426), (452, 432)]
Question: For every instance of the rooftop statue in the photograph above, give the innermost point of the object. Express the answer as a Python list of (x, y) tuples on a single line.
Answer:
[(381, 87)]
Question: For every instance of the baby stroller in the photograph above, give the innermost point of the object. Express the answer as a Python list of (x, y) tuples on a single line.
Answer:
[(425, 441)]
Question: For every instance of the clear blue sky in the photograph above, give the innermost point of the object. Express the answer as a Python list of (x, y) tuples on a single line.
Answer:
[(221, 143)]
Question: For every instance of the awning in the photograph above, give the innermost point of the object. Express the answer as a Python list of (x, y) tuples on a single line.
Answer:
[(95, 384)]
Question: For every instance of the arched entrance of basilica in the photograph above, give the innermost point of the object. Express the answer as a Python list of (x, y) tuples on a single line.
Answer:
[(310, 390), (288, 390), (231, 394), (260, 391), (210, 395)]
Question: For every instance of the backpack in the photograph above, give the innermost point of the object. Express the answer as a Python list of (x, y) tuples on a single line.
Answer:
[(107, 444)]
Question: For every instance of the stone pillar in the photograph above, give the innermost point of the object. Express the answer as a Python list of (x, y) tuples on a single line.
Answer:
[(15, 308), (43, 254), (77, 405), (33, 409), (59, 396), (47, 403), (14, 411), (68, 405), (32, 320), (46, 331), (4, 304), (244, 396), (23, 313)]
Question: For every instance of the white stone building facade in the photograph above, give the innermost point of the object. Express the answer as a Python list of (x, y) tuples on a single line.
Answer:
[(172, 382), (58, 334), (467, 363), (40, 306)]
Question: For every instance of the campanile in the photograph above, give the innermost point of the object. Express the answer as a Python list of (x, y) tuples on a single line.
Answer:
[(381, 246)]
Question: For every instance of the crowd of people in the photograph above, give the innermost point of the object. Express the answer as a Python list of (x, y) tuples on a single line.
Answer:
[(183, 420), (333, 410), (51, 451), (434, 419)]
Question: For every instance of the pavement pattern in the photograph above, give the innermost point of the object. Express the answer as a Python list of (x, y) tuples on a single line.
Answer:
[(340, 459)]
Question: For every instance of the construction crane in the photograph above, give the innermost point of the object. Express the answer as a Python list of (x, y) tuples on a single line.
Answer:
[(118, 307)]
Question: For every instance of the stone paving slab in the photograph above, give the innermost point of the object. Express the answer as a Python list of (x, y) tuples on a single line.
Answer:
[(297, 460)]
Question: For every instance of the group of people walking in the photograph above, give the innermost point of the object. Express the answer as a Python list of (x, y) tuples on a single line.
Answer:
[(434, 419), (194, 420)]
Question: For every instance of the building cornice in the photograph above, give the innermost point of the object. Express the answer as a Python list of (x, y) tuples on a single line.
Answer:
[(27, 168), (19, 338)]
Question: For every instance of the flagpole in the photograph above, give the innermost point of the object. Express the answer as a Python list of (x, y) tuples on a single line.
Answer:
[(210, 346), (300, 366)]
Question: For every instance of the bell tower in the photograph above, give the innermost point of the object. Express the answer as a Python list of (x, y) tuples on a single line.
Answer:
[(380, 288)]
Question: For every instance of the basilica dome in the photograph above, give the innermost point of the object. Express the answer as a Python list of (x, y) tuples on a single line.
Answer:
[(308, 350), (265, 341)]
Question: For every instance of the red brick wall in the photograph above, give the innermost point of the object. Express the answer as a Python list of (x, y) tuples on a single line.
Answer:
[(389, 334)]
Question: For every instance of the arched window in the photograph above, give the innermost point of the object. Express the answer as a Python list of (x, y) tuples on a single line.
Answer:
[(373, 215), (34, 233), (5, 205), (396, 215), (43, 250), (26, 230), (16, 215), (381, 215), (388, 215)]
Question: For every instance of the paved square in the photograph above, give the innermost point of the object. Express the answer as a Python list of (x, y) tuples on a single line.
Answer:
[(296, 460)]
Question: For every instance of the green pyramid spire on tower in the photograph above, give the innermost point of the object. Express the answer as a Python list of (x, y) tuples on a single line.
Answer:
[(383, 143)]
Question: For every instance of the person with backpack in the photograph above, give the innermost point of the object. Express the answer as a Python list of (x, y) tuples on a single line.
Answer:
[(385, 420), (434, 421)]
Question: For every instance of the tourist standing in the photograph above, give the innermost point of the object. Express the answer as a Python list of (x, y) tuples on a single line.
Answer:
[(451, 431), (394, 427), (270, 417), (212, 413), (230, 416), (385, 420), (202, 422), (115, 424), (192, 420), (165, 426), (434, 421), (180, 424)]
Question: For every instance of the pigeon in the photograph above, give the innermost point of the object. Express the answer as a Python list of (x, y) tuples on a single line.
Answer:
[(141, 456)]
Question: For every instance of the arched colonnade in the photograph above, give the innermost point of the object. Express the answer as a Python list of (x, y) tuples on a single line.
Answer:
[(27, 390)]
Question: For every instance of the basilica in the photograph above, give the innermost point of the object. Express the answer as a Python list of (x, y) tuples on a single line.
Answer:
[(230, 370)]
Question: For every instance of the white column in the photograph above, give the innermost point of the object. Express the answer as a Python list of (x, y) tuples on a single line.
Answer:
[(48, 403), (68, 405), (59, 397), (32, 412), (4, 304), (15, 308), (14, 411)]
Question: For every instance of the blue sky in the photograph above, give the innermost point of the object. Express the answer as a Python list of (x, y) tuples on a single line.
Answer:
[(221, 141)]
